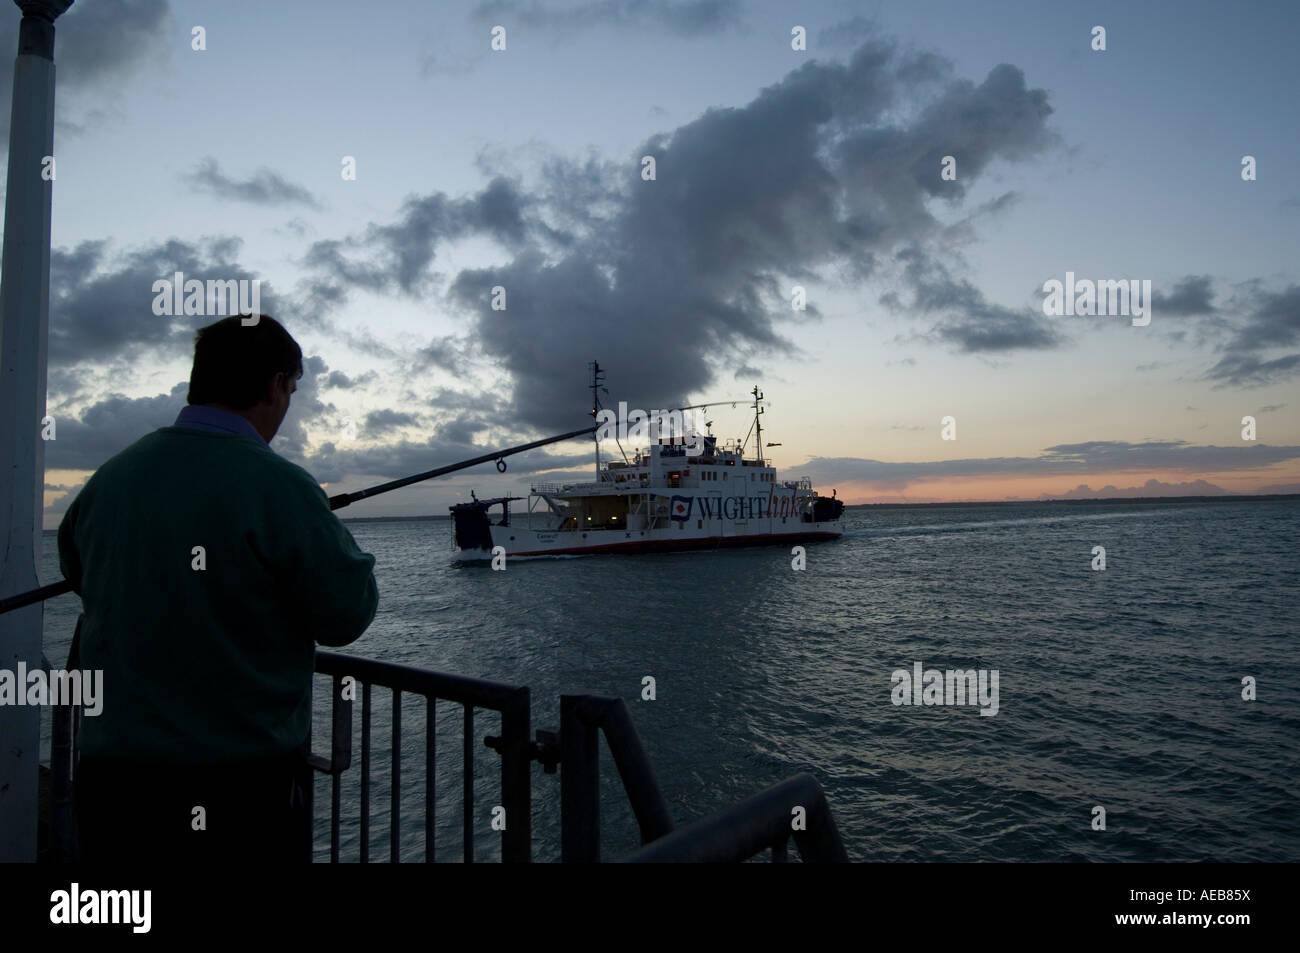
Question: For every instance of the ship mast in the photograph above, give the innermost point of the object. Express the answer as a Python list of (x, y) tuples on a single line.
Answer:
[(597, 379), (758, 427)]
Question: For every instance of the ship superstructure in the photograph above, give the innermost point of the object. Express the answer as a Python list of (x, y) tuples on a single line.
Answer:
[(678, 493)]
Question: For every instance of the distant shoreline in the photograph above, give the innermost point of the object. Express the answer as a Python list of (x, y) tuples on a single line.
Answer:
[(1226, 498)]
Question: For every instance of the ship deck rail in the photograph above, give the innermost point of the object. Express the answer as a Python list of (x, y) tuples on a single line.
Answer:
[(603, 488)]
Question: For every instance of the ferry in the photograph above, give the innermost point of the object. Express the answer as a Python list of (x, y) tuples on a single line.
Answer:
[(678, 493)]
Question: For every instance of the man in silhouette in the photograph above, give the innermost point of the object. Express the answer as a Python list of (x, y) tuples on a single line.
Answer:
[(209, 567)]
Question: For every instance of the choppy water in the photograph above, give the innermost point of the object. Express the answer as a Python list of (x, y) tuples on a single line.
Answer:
[(1119, 689)]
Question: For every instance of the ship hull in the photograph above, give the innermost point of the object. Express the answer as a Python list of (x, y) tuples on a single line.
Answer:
[(520, 541)]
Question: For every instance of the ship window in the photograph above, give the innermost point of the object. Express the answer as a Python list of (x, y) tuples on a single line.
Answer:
[(724, 474), (699, 524)]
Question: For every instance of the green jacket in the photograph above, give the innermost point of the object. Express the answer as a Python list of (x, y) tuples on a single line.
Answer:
[(207, 655)]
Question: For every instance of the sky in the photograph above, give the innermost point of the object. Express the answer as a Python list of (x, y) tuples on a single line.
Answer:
[(820, 168)]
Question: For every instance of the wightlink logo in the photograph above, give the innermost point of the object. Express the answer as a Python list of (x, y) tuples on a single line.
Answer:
[(1106, 297), (639, 426), (953, 687), (57, 687), (179, 295)]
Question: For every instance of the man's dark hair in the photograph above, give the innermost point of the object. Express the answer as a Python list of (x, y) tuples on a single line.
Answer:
[(234, 362)]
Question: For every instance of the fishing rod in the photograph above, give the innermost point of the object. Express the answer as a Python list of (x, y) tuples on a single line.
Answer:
[(336, 503)]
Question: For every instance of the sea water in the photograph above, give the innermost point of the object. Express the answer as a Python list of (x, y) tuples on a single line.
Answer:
[(1118, 688)]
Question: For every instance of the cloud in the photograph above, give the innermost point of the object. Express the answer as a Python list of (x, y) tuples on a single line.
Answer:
[(380, 422), (393, 460), (109, 426), (96, 46), (1287, 488), (1082, 459), (396, 257), (1272, 322), (342, 381), (1152, 488), (101, 303), (675, 17), (447, 353), (306, 410), (264, 187), (848, 32), (972, 323), (1191, 296), (1247, 370), (684, 279)]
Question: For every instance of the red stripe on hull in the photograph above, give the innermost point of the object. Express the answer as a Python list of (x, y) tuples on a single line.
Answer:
[(680, 545)]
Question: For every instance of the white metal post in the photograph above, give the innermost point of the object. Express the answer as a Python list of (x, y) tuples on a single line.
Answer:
[(24, 320)]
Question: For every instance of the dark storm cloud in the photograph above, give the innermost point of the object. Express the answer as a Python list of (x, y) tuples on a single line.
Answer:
[(380, 422), (1191, 296), (1081, 459), (971, 322), (671, 282), (397, 257), (101, 303), (333, 463), (677, 17), (306, 409), (697, 265), (445, 399), (848, 32), (264, 187), (1272, 322), (109, 426), (447, 353), (460, 430), (96, 45), (341, 381), (1249, 370)]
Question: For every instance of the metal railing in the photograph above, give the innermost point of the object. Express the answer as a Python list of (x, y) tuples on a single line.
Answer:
[(795, 808), (581, 717), (766, 821), (513, 745)]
